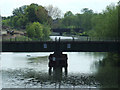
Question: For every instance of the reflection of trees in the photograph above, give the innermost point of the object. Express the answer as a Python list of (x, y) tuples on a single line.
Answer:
[(108, 69)]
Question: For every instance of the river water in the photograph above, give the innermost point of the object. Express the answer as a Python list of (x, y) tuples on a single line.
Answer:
[(30, 70)]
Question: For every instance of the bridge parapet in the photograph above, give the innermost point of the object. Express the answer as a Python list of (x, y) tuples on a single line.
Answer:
[(62, 46), (78, 38)]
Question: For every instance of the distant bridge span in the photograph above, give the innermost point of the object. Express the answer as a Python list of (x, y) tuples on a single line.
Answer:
[(62, 46), (68, 30)]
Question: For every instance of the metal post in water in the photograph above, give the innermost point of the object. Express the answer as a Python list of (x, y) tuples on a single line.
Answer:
[(59, 39), (50, 70), (73, 39), (55, 38)]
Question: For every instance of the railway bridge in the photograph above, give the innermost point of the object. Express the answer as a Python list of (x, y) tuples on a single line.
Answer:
[(58, 46)]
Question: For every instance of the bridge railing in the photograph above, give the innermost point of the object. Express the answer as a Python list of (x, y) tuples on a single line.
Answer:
[(62, 39), (91, 39)]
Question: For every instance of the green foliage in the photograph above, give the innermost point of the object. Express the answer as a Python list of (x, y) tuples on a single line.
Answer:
[(78, 20), (6, 22), (24, 15), (42, 15), (72, 32), (19, 11), (86, 21), (46, 32), (68, 13), (69, 21), (30, 13), (108, 69), (106, 24), (14, 21), (36, 13), (34, 18), (23, 38), (112, 59), (81, 34), (19, 20), (86, 10), (38, 31), (19, 38), (35, 30), (57, 24)]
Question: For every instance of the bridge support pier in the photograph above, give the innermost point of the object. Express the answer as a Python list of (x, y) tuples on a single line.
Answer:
[(58, 61)]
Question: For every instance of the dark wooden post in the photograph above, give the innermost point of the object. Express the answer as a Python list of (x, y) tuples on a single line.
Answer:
[(15, 39), (73, 39)]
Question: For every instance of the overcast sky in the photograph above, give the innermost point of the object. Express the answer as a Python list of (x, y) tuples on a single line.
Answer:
[(7, 6)]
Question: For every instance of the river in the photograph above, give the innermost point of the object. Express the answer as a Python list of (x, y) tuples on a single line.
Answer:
[(30, 70)]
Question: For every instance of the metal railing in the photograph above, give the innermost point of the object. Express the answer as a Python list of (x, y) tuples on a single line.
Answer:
[(62, 39)]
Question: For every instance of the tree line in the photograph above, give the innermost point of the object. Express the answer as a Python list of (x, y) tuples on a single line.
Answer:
[(104, 24), (35, 18)]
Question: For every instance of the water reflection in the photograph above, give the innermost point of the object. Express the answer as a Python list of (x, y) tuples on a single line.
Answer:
[(58, 72), (31, 78), (108, 70), (23, 71)]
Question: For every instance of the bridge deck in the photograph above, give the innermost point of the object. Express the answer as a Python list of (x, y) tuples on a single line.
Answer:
[(67, 46)]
